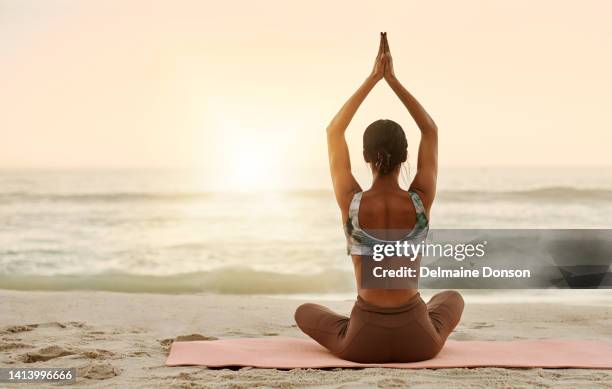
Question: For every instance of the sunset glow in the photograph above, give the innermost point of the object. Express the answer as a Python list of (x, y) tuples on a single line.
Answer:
[(204, 85)]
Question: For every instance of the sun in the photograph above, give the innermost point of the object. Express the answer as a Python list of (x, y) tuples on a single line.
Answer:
[(252, 165)]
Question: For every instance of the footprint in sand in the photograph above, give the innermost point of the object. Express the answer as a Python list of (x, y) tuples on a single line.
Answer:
[(19, 328), (94, 335), (53, 324), (138, 354), (45, 354), (30, 327), (7, 346), (97, 354), (98, 371)]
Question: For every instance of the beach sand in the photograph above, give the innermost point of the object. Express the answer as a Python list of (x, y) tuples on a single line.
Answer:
[(121, 340)]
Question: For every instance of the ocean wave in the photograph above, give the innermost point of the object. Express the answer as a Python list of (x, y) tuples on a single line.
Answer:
[(104, 197), (152, 196), (224, 281), (558, 193)]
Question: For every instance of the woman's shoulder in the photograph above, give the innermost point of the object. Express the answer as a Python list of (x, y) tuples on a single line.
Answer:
[(377, 200)]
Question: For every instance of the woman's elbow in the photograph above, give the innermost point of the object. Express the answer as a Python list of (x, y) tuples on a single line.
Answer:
[(433, 126), (431, 129), (333, 132)]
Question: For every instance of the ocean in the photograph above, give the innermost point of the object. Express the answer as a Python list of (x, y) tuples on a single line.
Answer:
[(165, 231)]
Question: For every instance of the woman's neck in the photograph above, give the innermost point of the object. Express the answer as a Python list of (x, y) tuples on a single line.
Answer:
[(386, 181)]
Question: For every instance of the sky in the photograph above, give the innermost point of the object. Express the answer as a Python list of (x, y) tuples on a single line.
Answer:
[(245, 89)]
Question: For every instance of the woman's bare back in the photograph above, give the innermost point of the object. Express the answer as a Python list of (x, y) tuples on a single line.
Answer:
[(386, 214)]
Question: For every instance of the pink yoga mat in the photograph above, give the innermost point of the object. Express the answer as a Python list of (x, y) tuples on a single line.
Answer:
[(289, 353)]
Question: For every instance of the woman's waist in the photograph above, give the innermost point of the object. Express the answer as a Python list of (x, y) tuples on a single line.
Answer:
[(393, 280), (388, 300)]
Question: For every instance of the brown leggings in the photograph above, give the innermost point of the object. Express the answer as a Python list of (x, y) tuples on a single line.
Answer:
[(411, 332)]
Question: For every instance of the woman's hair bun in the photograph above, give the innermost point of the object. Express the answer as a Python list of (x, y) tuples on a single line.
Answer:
[(385, 145)]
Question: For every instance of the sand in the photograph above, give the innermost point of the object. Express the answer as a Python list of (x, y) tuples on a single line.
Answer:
[(121, 340)]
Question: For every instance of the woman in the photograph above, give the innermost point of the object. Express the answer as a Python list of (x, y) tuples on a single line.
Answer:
[(386, 325)]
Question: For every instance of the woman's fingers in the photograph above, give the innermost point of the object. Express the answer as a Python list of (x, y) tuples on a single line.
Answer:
[(381, 46), (386, 43)]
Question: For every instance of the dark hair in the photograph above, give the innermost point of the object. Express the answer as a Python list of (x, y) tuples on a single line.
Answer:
[(385, 145)]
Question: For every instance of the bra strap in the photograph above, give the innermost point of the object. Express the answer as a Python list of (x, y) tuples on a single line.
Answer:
[(417, 202), (353, 212)]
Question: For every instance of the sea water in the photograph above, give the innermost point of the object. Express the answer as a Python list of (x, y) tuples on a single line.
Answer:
[(166, 231)]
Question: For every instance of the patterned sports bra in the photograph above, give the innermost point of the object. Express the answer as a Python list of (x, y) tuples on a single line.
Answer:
[(360, 242)]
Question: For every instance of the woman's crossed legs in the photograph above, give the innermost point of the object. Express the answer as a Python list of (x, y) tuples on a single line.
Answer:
[(381, 335)]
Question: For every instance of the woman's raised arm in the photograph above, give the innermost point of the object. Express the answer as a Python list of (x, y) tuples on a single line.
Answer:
[(427, 165), (345, 185)]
